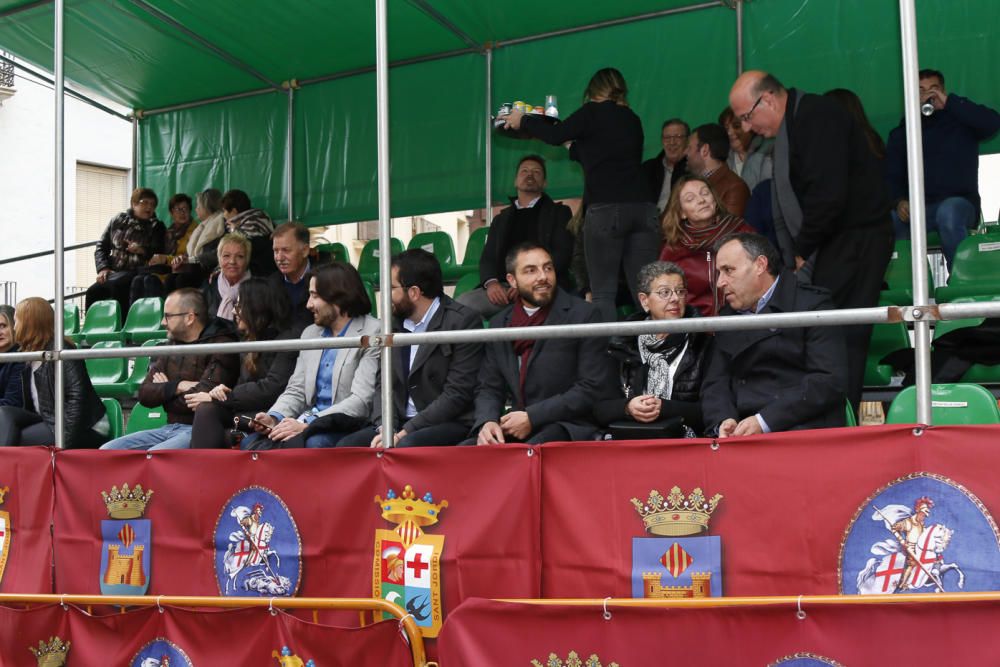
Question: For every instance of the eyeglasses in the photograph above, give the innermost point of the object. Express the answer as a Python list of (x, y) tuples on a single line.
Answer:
[(674, 138), (167, 316), (745, 118), (665, 293)]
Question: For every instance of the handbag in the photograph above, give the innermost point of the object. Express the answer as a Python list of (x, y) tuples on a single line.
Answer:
[(629, 429)]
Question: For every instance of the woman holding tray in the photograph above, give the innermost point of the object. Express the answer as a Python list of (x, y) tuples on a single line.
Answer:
[(620, 227)]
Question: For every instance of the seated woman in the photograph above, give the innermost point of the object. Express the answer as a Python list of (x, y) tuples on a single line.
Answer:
[(692, 222), (261, 313), (129, 241), (204, 241), (10, 374), (660, 373), (170, 269), (255, 225), (85, 422), (222, 287)]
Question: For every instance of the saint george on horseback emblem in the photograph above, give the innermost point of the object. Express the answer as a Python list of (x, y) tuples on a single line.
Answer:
[(921, 533)]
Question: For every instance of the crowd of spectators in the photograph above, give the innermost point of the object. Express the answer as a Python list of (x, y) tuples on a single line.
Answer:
[(787, 204)]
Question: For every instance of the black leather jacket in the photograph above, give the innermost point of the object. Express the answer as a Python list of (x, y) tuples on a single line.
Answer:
[(82, 406)]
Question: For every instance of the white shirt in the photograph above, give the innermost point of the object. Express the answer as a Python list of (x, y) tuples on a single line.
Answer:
[(418, 327)]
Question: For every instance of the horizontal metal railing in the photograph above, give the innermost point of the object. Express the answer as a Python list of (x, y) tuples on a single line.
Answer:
[(794, 601), (363, 605), (46, 253)]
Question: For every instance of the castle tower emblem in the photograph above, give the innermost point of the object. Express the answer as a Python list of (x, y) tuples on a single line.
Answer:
[(407, 567), (5, 532), (127, 542), (675, 564)]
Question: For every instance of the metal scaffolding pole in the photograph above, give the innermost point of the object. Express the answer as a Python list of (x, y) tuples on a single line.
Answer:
[(488, 140), (918, 230), (290, 151), (384, 210), (57, 334), (739, 37), (134, 176)]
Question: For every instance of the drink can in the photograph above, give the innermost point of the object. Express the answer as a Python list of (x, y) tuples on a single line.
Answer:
[(551, 106), (505, 109)]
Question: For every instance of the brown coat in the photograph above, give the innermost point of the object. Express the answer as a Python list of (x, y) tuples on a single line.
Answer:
[(732, 192)]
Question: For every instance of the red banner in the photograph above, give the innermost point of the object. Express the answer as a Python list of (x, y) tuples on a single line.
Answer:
[(483, 632), (190, 638), (26, 506)]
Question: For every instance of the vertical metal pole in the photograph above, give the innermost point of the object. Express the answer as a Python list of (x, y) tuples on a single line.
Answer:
[(135, 152), (488, 141), (384, 210), (739, 37), (918, 231), (290, 152), (59, 191)]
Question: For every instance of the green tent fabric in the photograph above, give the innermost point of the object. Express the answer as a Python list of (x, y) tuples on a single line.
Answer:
[(144, 54)]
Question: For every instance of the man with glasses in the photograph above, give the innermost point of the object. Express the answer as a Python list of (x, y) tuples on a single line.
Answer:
[(831, 205), (768, 380), (173, 377), (663, 170)]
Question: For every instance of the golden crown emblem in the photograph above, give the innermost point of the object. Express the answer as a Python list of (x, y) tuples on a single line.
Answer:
[(126, 503), (51, 653), (3, 493), (677, 514), (572, 660), (407, 508)]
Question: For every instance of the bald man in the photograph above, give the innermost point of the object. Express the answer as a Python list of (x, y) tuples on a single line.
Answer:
[(831, 204)]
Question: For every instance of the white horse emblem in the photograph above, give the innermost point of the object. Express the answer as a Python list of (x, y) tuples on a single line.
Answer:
[(922, 565)]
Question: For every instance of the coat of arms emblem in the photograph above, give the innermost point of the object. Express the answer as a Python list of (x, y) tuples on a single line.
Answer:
[(675, 564), (921, 533), (258, 551), (51, 653), (5, 532), (407, 563), (805, 659), (287, 659), (127, 542), (161, 653)]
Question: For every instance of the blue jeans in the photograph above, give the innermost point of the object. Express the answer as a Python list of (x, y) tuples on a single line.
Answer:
[(951, 218), (171, 436)]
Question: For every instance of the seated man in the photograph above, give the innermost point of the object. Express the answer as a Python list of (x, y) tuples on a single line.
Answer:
[(951, 137), (331, 390), (172, 379), (663, 171), (532, 216), (707, 152), (767, 380), (432, 384), (290, 241), (551, 385)]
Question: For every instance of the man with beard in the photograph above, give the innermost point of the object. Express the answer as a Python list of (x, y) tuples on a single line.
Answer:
[(432, 384), (532, 216), (550, 385)]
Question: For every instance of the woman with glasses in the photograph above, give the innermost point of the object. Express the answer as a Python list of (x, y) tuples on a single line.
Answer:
[(234, 268), (660, 373), (261, 312), (85, 423), (605, 137), (692, 222)]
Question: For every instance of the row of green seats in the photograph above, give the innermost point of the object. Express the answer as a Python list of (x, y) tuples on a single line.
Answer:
[(140, 419), (975, 271), (103, 322)]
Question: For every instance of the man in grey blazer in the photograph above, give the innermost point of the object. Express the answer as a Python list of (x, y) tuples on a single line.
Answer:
[(333, 385), (432, 385), (550, 385)]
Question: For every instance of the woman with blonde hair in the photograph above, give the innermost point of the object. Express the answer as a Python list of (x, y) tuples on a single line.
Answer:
[(606, 138), (693, 221), (84, 420)]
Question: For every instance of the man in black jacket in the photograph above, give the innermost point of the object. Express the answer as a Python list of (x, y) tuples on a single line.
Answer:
[(532, 216), (290, 243), (664, 170), (767, 380), (831, 201), (432, 384)]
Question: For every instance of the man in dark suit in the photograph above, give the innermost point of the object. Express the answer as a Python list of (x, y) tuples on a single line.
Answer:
[(551, 385), (531, 216), (290, 245), (663, 171), (768, 380), (432, 384)]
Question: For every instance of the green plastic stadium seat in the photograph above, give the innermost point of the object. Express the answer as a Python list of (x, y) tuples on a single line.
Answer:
[(978, 373), (368, 262), (108, 375), (899, 276), (975, 270), (473, 252), (441, 246), (103, 323), (144, 321), (886, 338), (466, 283), (145, 419), (115, 418), (849, 418), (139, 370), (950, 404), (370, 290), (334, 252)]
